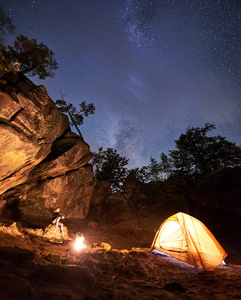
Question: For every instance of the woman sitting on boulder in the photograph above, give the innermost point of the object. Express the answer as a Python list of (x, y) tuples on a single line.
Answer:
[(56, 219)]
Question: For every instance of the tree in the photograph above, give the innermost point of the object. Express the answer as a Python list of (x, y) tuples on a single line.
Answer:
[(148, 173), (76, 117), (154, 170), (165, 166), (8, 63), (33, 58), (198, 154), (142, 174), (110, 166)]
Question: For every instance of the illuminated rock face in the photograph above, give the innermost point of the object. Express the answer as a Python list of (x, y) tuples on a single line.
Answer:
[(42, 163)]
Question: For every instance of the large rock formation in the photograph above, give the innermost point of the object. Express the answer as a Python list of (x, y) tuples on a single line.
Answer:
[(112, 208), (42, 163)]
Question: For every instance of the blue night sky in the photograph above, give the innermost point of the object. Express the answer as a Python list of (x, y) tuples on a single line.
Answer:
[(151, 68)]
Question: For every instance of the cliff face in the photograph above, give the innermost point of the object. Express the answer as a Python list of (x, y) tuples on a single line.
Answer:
[(42, 163)]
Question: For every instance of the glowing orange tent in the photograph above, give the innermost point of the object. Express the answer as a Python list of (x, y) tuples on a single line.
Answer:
[(189, 240)]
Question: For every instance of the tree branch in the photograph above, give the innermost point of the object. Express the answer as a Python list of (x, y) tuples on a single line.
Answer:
[(72, 119)]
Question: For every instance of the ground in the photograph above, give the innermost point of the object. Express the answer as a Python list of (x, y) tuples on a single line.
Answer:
[(32, 267)]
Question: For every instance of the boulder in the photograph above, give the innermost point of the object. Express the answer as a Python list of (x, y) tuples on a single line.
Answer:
[(101, 192), (53, 234), (2, 205), (42, 163), (8, 106), (132, 188), (71, 192), (18, 155), (122, 206), (29, 124), (11, 229), (132, 184), (119, 208), (67, 153), (92, 225), (100, 247)]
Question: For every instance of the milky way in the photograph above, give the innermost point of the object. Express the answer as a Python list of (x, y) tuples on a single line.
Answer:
[(152, 68)]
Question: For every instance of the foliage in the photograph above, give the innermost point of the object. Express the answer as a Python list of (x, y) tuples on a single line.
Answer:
[(141, 174), (154, 171), (110, 166), (8, 63), (33, 58), (76, 117), (165, 165), (198, 154)]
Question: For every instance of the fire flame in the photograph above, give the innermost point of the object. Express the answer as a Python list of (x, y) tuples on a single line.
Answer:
[(79, 242)]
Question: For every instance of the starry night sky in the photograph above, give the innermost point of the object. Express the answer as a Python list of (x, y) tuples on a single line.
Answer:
[(151, 68)]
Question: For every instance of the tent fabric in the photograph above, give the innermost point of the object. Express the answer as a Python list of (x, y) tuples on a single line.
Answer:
[(186, 238)]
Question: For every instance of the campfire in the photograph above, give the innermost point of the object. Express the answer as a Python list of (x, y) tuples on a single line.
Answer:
[(79, 242)]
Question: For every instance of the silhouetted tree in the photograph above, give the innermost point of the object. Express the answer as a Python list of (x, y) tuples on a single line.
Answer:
[(8, 63), (198, 154), (142, 174), (165, 166), (110, 166), (154, 170), (76, 117), (32, 58), (148, 173)]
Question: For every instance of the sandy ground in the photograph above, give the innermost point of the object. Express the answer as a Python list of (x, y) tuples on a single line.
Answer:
[(32, 267)]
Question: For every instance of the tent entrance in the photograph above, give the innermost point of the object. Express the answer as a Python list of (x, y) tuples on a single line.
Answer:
[(171, 237)]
